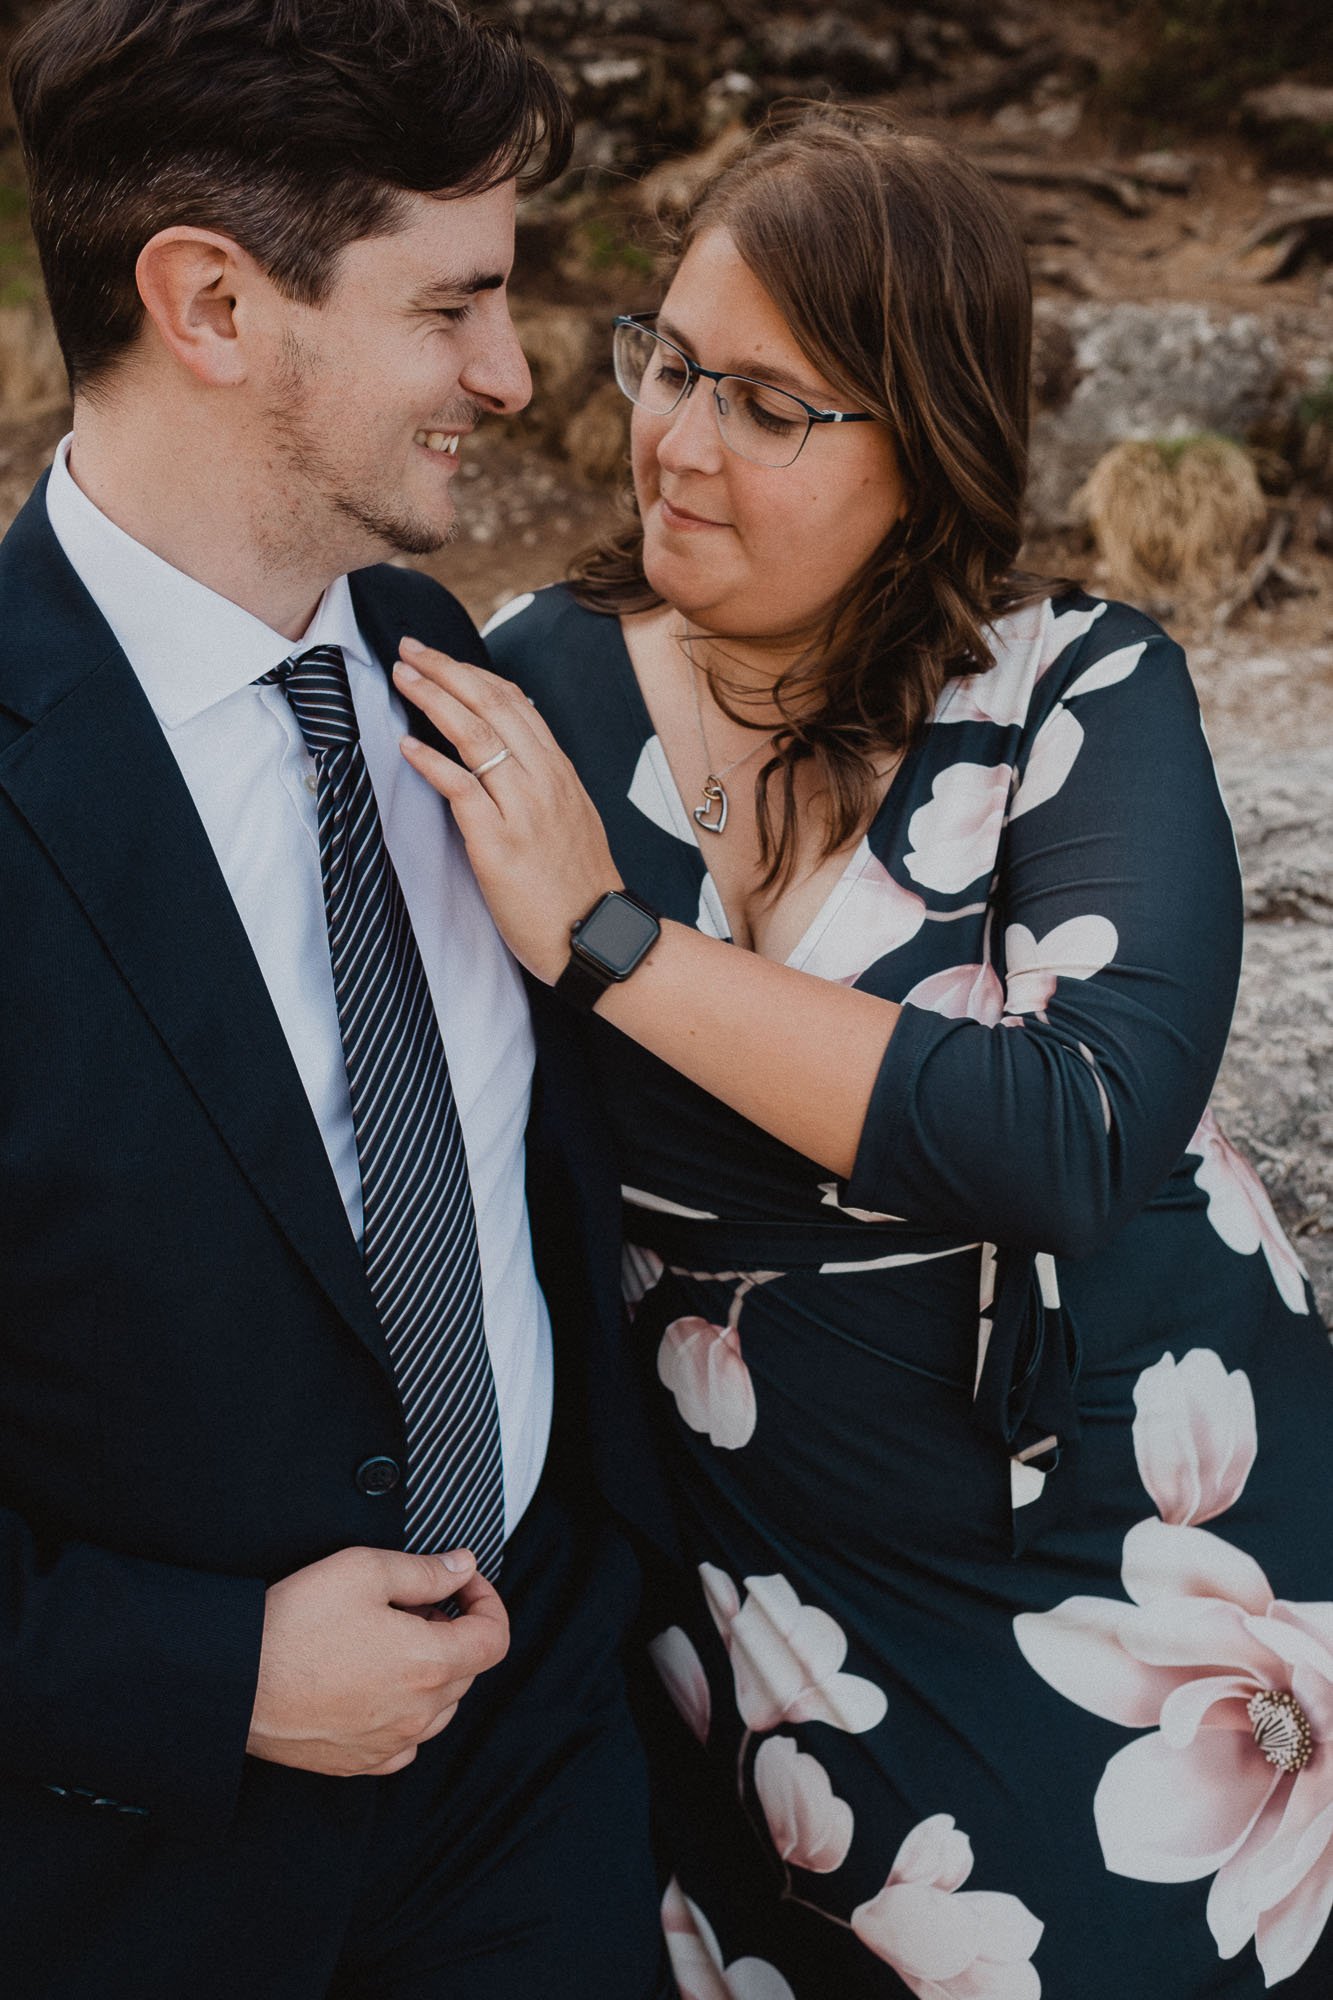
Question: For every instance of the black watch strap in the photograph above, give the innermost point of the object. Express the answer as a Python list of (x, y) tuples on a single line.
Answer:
[(588, 974), (582, 983)]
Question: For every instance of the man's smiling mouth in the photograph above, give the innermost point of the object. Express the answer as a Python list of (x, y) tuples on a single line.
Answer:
[(440, 441)]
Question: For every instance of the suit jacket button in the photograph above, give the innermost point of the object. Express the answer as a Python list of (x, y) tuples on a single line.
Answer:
[(377, 1475)]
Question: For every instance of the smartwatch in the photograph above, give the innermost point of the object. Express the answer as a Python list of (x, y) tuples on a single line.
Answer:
[(605, 946)]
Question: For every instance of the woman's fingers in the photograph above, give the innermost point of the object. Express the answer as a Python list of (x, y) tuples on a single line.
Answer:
[(500, 710), (473, 734)]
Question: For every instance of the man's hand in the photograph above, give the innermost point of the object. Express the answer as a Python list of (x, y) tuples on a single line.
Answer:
[(355, 1669)]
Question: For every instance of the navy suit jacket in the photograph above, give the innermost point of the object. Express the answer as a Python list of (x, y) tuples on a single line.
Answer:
[(192, 1368)]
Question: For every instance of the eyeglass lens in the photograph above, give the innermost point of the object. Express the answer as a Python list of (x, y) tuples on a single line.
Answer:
[(765, 426)]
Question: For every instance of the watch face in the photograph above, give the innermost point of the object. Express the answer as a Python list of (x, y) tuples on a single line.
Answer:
[(616, 935)]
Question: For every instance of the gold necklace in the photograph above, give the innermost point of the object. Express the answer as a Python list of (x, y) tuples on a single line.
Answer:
[(714, 791)]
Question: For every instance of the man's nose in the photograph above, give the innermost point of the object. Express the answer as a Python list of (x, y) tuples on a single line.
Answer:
[(690, 440), (497, 372)]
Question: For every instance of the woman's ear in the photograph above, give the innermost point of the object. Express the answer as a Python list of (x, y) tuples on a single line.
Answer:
[(191, 282)]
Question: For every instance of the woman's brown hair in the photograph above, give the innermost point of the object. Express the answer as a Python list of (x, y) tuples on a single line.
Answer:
[(902, 276)]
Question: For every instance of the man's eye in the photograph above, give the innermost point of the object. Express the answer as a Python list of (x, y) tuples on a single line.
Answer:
[(455, 315)]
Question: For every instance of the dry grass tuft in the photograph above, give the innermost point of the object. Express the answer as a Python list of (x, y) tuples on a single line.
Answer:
[(1175, 514)]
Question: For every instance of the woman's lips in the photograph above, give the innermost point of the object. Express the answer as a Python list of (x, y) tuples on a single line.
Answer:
[(677, 517)]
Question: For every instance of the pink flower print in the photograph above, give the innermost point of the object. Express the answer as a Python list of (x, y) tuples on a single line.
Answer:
[(1053, 756), (872, 916), (672, 1653), (962, 993), (1240, 1211), (640, 1270), (696, 1958), (1073, 950), (810, 1826), (944, 1942), (786, 1657), (1059, 633), (1003, 692), (1194, 1435), (703, 1367), (956, 834), (1235, 1777)]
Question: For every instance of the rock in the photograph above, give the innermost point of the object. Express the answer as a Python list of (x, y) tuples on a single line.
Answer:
[(1294, 122), (1282, 810), (1273, 1097), (672, 188), (828, 45), (1169, 173), (1106, 373), (596, 439), (563, 344)]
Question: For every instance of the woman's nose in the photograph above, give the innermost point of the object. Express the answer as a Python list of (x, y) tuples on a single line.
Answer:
[(690, 439)]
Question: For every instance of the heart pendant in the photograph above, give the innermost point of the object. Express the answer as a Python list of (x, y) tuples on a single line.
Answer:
[(714, 795)]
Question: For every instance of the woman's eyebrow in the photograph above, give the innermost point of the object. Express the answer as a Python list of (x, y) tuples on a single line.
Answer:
[(781, 378)]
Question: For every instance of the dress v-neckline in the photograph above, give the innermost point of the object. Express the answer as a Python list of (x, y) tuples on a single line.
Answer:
[(840, 889)]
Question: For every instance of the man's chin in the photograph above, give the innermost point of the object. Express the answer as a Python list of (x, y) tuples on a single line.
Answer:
[(402, 534)]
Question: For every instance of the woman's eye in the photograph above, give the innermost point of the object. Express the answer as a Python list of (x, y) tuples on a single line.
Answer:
[(668, 375), (778, 422)]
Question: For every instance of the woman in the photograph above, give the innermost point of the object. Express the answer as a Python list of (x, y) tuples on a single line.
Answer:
[(959, 1314)]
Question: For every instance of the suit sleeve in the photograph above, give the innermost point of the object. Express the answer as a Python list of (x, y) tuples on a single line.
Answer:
[(1117, 931), (126, 1685)]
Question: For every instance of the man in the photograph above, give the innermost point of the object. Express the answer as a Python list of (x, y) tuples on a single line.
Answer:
[(277, 1384)]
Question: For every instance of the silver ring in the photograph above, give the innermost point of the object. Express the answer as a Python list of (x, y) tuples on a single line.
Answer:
[(480, 770)]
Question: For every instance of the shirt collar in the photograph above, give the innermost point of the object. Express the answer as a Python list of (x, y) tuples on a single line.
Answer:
[(189, 647)]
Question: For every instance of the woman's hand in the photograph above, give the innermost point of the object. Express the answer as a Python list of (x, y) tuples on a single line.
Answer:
[(533, 835)]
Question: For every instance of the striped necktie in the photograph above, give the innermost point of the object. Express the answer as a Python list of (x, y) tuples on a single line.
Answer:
[(420, 1236)]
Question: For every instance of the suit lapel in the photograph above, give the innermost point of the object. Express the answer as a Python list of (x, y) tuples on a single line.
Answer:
[(94, 779)]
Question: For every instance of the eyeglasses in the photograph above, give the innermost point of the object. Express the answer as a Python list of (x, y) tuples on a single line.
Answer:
[(765, 425)]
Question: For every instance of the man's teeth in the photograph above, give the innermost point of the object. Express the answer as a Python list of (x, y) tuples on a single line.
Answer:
[(439, 441)]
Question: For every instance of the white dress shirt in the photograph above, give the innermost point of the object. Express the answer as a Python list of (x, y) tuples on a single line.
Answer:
[(241, 753)]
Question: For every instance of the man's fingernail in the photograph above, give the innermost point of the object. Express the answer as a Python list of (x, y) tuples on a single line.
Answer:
[(403, 672), (459, 1560)]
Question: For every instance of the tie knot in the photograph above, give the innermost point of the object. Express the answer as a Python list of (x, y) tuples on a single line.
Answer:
[(315, 683)]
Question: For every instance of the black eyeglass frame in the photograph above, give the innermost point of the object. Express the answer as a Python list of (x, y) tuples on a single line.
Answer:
[(694, 372)]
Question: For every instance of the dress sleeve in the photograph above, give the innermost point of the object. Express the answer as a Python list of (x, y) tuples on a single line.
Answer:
[(1116, 930)]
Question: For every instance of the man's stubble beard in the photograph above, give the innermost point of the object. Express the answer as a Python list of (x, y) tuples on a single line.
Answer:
[(308, 474)]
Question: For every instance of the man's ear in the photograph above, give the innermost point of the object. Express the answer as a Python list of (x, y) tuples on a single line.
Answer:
[(193, 283)]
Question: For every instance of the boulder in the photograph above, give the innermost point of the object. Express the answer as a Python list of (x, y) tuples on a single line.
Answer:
[(1273, 1097), (1107, 373)]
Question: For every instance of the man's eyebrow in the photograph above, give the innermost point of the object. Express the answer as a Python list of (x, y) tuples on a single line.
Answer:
[(781, 378), (462, 286)]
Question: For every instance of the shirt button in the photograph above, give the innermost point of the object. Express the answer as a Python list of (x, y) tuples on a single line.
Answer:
[(377, 1475), (311, 781)]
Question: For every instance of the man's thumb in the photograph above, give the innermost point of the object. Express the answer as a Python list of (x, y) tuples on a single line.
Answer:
[(414, 1580)]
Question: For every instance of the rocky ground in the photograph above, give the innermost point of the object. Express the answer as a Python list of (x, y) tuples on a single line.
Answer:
[(1185, 284)]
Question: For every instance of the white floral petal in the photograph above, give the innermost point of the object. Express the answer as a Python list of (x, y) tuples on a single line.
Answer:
[(756, 1979), (1167, 1815), (1077, 1649), (1286, 1934), (935, 1853), (1104, 673), (1054, 755), (672, 1653), (653, 790), (1160, 1560), (845, 1701), (506, 612), (956, 834), (920, 1931)]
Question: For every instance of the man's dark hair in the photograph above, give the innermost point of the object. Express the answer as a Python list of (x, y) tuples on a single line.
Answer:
[(293, 126)]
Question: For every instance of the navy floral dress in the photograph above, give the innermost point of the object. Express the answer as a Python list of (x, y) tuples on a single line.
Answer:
[(1001, 1652)]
